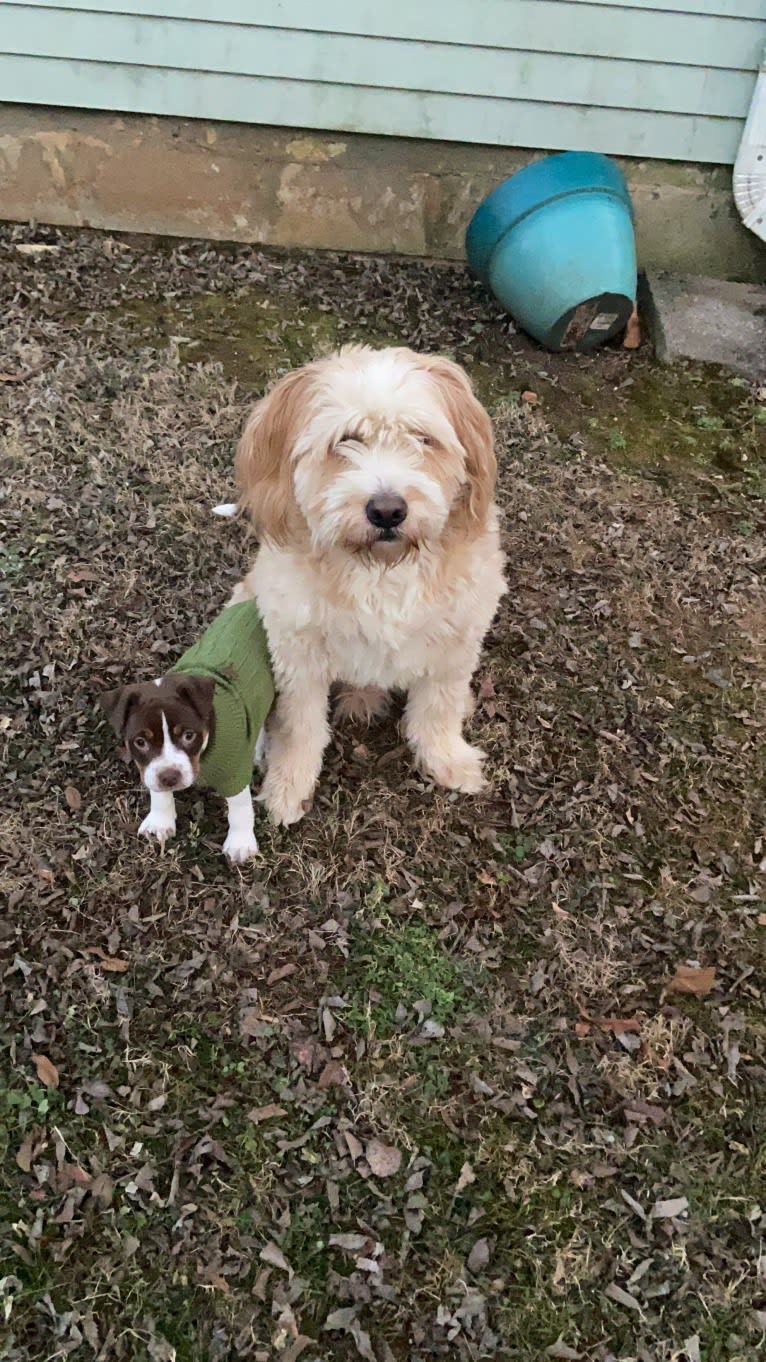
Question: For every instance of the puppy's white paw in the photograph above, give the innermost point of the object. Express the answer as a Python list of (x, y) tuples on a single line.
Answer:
[(240, 847), (158, 825), (286, 804), (458, 769)]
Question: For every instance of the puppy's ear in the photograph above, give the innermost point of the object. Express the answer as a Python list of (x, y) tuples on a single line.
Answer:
[(263, 464), (473, 428), (117, 705), (196, 692)]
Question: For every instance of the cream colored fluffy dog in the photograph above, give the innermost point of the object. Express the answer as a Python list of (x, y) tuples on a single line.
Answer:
[(369, 476)]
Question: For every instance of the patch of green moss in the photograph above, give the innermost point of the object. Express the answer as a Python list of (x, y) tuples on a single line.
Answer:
[(395, 964), (253, 335)]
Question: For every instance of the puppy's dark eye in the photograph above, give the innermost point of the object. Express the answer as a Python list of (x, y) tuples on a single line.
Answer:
[(141, 744), (348, 437), (424, 439), (188, 737)]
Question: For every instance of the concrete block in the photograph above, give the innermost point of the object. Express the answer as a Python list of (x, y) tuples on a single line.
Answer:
[(710, 320)]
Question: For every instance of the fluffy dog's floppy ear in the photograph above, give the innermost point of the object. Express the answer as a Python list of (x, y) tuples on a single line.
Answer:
[(473, 428), (117, 705), (263, 465)]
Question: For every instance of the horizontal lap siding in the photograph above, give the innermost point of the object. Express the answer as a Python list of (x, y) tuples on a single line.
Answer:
[(625, 78)]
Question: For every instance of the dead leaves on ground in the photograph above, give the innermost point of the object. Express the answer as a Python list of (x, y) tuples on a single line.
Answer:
[(113, 964), (47, 1072), (212, 1095), (693, 979), (384, 1159)]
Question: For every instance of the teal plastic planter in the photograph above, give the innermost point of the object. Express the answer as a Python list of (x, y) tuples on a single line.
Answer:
[(555, 244)]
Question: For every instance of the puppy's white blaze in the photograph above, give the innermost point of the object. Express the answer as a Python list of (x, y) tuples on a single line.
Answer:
[(171, 758)]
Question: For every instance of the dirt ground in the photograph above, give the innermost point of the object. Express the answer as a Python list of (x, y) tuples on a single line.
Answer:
[(439, 1077)]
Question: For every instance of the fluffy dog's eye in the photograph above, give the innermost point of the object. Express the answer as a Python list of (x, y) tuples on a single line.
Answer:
[(141, 744), (424, 439), (188, 737)]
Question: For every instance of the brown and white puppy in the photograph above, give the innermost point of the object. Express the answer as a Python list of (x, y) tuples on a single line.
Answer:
[(166, 725), (370, 477)]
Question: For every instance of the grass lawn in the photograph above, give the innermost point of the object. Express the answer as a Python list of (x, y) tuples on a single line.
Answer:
[(438, 1077)]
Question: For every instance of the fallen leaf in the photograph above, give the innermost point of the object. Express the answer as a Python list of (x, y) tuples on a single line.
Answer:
[(384, 1159), (113, 964), (355, 1146), (333, 1075), (283, 972), (559, 1349), (273, 1255), (634, 1205), (47, 1072), (618, 1026), (530, 398), (267, 1113), (90, 1330), (667, 1210), (616, 1293), (350, 1243), (160, 1350), (580, 1179), (73, 798), (467, 1176), (342, 1318), (692, 979), (346, 1319), (95, 1087), (293, 1350), (762, 919), (363, 1342), (638, 1110), (82, 575), (25, 1151), (479, 1256), (102, 1189)]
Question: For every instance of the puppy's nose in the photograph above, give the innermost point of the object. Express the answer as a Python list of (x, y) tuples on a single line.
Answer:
[(386, 510), (170, 778)]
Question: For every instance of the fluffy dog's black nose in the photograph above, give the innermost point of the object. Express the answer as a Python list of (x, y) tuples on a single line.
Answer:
[(170, 778), (386, 510)]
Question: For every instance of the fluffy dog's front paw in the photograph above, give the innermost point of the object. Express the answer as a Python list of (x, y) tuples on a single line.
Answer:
[(285, 802), (158, 825), (458, 769), (240, 847)]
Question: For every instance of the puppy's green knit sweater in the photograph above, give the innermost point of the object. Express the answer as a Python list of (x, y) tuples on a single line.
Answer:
[(235, 653)]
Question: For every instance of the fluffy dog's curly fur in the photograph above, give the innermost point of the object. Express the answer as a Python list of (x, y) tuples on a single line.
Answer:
[(369, 476)]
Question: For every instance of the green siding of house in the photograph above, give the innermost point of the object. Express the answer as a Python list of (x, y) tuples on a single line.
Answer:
[(628, 77)]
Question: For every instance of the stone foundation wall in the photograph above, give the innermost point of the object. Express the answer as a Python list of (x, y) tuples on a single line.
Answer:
[(349, 192)]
